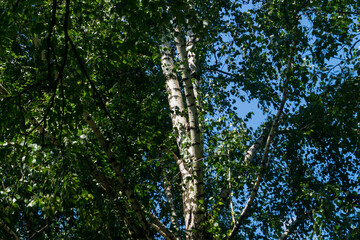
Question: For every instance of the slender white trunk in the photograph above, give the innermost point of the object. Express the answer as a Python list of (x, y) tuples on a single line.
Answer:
[(186, 123), (179, 122), (194, 193), (188, 133), (177, 109)]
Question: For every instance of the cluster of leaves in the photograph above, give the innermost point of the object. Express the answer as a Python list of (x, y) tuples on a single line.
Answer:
[(60, 59), (48, 188)]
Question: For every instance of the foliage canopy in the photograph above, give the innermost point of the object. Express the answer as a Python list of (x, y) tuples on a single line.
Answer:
[(134, 119)]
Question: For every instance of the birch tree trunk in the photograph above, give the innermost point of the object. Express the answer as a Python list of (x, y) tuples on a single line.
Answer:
[(187, 130)]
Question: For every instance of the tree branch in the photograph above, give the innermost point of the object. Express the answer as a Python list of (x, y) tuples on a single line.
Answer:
[(265, 154), (195, 151), (261, 170), (220, 71), (292, 227), (231, 202), (124, 184), (161, 228), (138, 208), (92, 84), (39, 231), (95, 172), (179, 162), (3, 90), (98, 175), (251, 152), (8, 230), (48, 39)]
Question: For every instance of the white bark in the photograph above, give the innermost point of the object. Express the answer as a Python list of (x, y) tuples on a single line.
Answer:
[(192, 61), (195, 151), (194, 192), (254, 149), (189, 164), (181, 124), (176, 104)]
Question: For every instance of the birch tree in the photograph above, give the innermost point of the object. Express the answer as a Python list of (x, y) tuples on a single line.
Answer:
[(179, 119)]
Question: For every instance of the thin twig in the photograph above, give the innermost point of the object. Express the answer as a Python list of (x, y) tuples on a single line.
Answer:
[(220, 71)]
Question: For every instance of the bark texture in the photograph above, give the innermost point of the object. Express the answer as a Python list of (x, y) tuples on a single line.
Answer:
[(185, 121)]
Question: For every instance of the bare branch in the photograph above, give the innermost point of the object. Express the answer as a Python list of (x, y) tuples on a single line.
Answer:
[(39, 231)]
